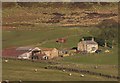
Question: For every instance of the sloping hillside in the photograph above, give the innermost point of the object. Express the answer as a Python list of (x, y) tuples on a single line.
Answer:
[(62, 14)]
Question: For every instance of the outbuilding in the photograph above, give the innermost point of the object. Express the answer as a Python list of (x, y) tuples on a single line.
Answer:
[(50, 52)]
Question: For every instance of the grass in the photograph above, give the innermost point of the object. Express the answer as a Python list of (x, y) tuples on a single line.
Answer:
[(20, 70), (30, 31), (14, 69), (48, 37), (38, 35), (110, 58)]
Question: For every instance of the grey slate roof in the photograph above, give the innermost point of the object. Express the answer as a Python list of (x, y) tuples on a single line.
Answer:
[(24, 48), (89, 42)]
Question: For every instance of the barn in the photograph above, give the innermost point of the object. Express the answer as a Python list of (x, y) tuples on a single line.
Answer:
[(32, 52), (50, 52)]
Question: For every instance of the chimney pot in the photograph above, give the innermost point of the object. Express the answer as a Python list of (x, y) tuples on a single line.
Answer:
[(92, 39)]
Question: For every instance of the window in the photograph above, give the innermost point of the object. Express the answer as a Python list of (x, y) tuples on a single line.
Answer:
[(93, 48)]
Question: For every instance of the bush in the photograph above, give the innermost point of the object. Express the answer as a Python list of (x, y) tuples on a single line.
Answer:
[(109, 33), (100, 41), (108, 23)]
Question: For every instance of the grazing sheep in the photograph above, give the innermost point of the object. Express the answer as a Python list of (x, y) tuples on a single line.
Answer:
[(63, 70), (70, 74), (20, 81), (6, 61), (35, 70), (96, 67), (81, 75)]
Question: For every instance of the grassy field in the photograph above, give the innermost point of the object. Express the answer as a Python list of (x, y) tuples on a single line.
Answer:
[(45, 37), (16, 70), (110, 58), (24, 26), (33, 37)]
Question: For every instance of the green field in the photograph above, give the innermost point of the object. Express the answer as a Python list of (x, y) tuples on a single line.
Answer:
[(16, 70), (46, 34), (27, 26), (47, 38)]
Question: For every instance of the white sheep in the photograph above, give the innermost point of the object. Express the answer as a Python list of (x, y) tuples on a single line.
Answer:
[(70, 74), (81, 75), (63, 70), (35, 70), (6, 61), (96, 67), (20, 81)]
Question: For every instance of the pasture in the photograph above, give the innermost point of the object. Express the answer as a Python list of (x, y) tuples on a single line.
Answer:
[(38, 35), (24, 26), (47, 38), (15, 70)]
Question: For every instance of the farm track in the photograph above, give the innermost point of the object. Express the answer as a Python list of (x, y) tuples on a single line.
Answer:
[(52, 40)]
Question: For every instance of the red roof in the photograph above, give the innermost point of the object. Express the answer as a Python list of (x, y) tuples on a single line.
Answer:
[(61, 40), (11, 52)]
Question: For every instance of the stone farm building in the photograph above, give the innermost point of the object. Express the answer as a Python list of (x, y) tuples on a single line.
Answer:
[(50, 52), (30, 53), (89, 46), (42, 53)]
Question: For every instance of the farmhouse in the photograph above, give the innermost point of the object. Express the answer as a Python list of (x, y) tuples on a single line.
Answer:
[(89, 46), (50, 52)]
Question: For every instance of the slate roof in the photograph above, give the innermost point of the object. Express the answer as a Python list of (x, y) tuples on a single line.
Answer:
[(24, 48), (47, 49), (89, 42)]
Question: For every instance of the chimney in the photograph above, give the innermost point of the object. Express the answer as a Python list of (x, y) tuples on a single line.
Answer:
[(105, 43), (92, 39)]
